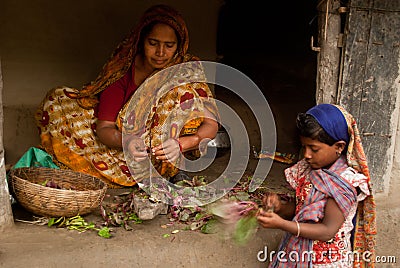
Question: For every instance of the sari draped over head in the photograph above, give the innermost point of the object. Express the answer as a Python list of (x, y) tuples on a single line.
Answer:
[(67, 121), (123, 56), (328, 183)]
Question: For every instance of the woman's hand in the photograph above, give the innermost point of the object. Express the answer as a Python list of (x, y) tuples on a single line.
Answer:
[(272, 201), (284, 208), (169, 150), (108, 134), (137, 149)]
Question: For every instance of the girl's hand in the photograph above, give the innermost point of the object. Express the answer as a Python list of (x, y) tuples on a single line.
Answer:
[(169, 150), (269, 219)]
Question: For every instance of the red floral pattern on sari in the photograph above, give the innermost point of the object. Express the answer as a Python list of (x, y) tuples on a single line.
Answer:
[(186, 101), (202, 93)]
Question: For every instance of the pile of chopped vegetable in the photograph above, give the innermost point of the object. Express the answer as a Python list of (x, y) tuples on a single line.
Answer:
[(78, 223)]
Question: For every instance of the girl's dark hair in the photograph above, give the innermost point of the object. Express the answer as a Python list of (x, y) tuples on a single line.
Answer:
[(308, 127)]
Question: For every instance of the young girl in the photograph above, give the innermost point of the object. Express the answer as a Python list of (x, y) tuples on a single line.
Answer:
[(334, 211)]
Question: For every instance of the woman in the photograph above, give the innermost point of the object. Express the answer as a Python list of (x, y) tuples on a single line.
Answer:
[(332, 222), (82, 129)]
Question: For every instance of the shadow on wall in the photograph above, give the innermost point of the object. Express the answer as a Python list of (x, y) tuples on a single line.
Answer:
[(19, 122)]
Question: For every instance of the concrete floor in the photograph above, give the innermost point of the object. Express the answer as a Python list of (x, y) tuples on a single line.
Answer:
[(145, 246)]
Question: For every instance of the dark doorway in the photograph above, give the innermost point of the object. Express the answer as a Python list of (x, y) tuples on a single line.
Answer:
[(270, 43)]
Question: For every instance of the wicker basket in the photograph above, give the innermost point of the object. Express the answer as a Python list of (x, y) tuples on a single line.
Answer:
[(79, 194)]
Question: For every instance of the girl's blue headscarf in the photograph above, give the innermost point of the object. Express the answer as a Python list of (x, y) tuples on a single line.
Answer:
[(331, 120)]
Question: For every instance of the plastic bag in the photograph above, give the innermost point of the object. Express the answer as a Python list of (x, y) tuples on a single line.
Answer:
[(35, 157)]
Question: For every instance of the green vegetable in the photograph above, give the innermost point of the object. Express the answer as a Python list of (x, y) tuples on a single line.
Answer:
[(78, 223), (211, 227), (245, 229), (45, 182), (51, 222), (104, 232)]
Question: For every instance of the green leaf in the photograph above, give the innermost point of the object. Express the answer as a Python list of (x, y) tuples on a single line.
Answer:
[(51, 222), (104, 232), (245, 229), (242, 196), (133, 217), (198, 216), (211, 227)]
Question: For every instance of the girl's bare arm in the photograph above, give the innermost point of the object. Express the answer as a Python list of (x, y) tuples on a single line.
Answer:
[(325, 230)]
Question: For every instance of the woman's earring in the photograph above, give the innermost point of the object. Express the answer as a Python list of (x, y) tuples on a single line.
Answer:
[(338, 153)]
